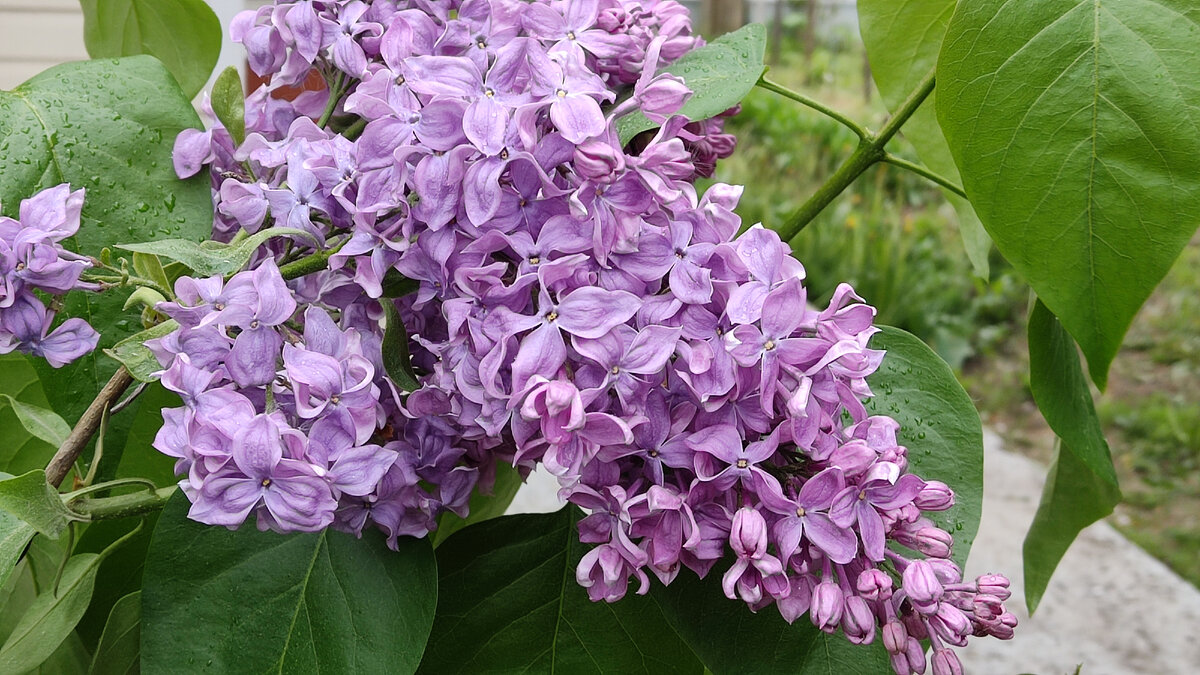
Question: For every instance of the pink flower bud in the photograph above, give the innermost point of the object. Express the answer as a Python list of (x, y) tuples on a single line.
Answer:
[(946, 571), (858, 622), (827, 606), (994, 584), (935, 496), (922, 586), (945, 662), (874, 584), (895, 637), (951, 624), (664, 95), (933, 542), (914, 651), (597, 159), (748, 535)]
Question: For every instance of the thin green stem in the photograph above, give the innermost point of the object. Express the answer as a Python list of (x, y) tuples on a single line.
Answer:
[(925, 172), (906, 110), (308, 264), (869, 151), (123, 506), (796, 96), (335, 95), (355, 130)]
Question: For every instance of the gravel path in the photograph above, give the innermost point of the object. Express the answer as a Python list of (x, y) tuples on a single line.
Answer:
[(1110, 607)]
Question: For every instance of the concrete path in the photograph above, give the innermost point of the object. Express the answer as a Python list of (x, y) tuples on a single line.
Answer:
[(1110, 606)]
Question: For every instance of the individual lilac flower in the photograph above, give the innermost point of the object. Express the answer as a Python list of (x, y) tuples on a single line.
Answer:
[(25, 327), (863, 503), (289, 490), (808, 518), (755, 571)]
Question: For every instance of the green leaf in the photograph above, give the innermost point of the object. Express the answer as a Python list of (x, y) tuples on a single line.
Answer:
[(139, 458), (938, 424), (720, 74), (729, 638), (483, 506), (107, 126), (1076, 126), (150, 267), (249, 601), (144, 297), (14, 537), (1081, 487), (137, 358), (51, 618), (509, 584), (213, 257), (395, 349), (119, 650), (39, 421), (121, 572), (229, 103), (32, 499), (184, 34), (21, 451), (902, 41), (71, 658)]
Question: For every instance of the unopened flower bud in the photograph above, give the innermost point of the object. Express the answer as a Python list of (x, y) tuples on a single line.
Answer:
[(946, 571), (945, 662), (895, 637), (922, 586), (858, 623), (827, 605), (932, 541), (935, 496), (748, 535), (986, 607), (914, 651), (994, 584), (597, 159), (874, 584), (951, 624), (664, 95)]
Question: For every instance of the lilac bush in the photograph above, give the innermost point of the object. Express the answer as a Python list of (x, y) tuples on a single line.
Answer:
[(578, 305)]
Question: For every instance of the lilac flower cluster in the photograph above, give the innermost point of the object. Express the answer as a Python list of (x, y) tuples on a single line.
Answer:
[(33, 259), (578, 305)]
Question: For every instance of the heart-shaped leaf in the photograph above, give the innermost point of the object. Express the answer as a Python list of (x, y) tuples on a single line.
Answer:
[(509, 583), (729, 638), (1076, 127), (938, 424), (109, 127), (248, 601)]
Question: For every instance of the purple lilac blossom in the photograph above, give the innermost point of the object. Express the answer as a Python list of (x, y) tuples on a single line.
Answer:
[(33, 259), (578, 304)]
